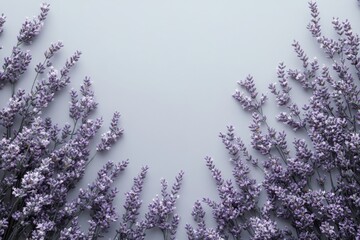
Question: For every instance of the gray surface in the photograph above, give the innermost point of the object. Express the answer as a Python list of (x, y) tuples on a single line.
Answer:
[(170, 68)]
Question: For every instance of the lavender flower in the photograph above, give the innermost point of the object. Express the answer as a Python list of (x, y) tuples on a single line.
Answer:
[(31, 28), (41, 161), (202, 232), (74, 110), (198, 214), (14, 66), (8, 113), (314, 25), (54, 47), (2, 22), (130, 227), (110, 137), (81, 108), (235, 203), (312, 187), (249, 103), (161, 212), (98, 199), (49, 53), (236, 147), (265, 229), (72, 232)]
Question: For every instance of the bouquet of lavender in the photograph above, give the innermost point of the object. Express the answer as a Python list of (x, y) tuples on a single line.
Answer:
[(312, 190), (41, 161)]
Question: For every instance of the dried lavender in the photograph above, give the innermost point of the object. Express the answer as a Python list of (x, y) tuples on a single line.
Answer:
[(160, 215), (42, 161), (2, 22), (315, 187), (111, 136), (202, 232), (161, 212), (130, 226), (98, 198), (237, 201)]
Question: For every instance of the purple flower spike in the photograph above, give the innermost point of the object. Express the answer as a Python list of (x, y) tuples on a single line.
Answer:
[(161, 212), (314, 25), (249, 103), (14, 66), (130, 228), (109, 138), (2, 22), (31, 28)]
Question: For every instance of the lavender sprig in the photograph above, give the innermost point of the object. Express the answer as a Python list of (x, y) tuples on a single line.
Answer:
[(110, 137), (2, 22), (130, 226), (161, 211), (31, 28), (40, 162), (314, 188), (14, 66)]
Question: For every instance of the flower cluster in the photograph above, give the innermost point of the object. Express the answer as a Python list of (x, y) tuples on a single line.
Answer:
[(237, 201), (160, 215), (31, 27), (98, 199), (40, 160), (201, 232), (161, 212), (2, 21), (110, 137), (313, 187), (130, 227)]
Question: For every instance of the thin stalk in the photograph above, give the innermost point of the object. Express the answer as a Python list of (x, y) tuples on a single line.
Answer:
[(164, 232), (13, 234), (12, 89), (331, 181), (74, 128), (96, 233), (92, 158), (37, 74), (115, 237)]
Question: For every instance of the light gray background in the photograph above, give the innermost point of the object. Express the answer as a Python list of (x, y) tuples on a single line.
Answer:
[(170, 67)]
